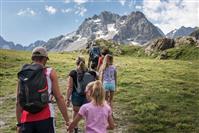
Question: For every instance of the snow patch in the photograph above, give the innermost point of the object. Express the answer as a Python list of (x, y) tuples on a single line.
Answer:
[(135, 43), (77, 45), (111, 27), (97, 20), (174, 31)]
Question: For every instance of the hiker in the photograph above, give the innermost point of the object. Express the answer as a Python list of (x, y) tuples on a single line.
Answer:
[(105, 51), (37, 85), (76, 85), (108, 76), (94, 54), (97, 113)]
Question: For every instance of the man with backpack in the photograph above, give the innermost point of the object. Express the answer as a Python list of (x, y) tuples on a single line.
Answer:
[(94, 54), (37, 85)]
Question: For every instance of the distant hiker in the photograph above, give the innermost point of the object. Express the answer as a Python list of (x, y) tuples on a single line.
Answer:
[(108, 76), (76, 85), (97, 113), (37, 84), (94, 54), (104, 52)]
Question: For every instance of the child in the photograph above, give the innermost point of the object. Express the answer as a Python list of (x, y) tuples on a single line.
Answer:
[(97, 113), (108, 76), (89, 90)]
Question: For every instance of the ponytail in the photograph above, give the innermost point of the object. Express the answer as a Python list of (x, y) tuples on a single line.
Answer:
[(98, 94)]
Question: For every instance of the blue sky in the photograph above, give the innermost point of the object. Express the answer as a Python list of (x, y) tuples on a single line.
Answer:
[(25, 21)]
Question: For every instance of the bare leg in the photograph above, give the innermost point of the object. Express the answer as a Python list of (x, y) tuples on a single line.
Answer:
[(111, 98), (107, 97), (75, 111)]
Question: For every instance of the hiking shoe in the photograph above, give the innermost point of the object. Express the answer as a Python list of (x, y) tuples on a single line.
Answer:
[(76, 130)]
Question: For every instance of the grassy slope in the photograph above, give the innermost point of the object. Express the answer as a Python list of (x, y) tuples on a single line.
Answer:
[(153, 95), (184, 53)]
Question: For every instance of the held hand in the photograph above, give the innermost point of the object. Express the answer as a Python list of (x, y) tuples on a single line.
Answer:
[(70, 128), (18, 129), (67, 123), (68, 102)]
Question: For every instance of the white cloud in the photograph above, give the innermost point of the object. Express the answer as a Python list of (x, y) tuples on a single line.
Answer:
[(169, 15), (50, 9), (26, 12), (66, 10), (122, 2), (80, 1), (80, 11)]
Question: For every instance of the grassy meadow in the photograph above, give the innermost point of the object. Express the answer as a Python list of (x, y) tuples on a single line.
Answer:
[(160, 96)]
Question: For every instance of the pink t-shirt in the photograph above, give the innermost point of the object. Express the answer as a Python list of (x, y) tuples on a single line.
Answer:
[(96, 117)]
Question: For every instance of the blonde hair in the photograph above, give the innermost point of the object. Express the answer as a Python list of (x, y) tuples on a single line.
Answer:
[(89, 86), (98, 94), (80, 61), (105, 64)]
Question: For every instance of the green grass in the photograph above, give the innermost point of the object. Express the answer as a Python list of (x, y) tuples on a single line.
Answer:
[(184, 53), (152, 96), (160, 96)]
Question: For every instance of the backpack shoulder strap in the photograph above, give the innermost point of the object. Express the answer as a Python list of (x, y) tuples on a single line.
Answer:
[(48, 71)]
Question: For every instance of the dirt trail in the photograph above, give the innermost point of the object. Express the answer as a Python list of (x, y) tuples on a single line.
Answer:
[(9, 115)]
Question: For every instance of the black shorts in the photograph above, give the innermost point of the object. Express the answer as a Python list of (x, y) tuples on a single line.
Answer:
[(43, 126), (78, 100)]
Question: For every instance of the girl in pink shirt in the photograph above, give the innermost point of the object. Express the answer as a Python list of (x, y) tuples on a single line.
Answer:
[(97, 113)]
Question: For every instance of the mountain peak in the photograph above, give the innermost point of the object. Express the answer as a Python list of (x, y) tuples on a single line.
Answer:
[(137, 15), (182, 31), (127, 29), (107, 13)]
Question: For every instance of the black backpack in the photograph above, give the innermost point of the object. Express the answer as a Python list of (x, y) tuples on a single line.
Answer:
[(94, 54), (82, 80), (33, 88)]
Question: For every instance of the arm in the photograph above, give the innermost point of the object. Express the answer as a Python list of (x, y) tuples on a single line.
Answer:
[(74, 123), (69, 89), (115, 79), (58, 96), (18, 107), (101, 73), (89, 61), (99, 63), (111, 125)]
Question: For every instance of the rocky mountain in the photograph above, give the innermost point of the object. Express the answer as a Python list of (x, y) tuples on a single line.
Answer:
[(183, 31), (35, 44), (162, 44), (9, 45), (195, 34), (128, 29)]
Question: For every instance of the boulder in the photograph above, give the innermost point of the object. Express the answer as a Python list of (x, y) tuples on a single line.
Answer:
[(159, 45), (186, 40)]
